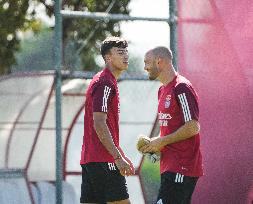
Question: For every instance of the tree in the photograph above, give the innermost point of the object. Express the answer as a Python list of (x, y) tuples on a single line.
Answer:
[(20, 15), (36, 52), (13, 17), (85, 35)]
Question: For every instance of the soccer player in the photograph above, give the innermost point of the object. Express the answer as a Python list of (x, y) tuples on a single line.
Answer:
[(104, 165), (179, 141)]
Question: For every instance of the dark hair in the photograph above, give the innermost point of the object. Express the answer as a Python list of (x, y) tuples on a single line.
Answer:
[(111, 42)]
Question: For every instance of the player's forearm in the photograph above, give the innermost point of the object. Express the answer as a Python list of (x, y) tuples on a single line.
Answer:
[(188, 130), (106, 139)]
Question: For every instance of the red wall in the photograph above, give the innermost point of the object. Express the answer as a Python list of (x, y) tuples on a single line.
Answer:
[(216, 54)]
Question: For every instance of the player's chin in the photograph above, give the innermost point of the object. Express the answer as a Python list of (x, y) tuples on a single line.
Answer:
[(151, 77), (124, 66)]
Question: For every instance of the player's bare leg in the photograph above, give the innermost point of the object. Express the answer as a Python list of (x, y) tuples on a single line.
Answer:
[(127, 201)]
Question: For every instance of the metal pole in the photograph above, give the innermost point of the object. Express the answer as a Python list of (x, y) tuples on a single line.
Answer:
[(108, 16), (173, 31), (58, 63)]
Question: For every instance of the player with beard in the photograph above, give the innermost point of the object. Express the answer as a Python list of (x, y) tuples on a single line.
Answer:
[(179, 140)]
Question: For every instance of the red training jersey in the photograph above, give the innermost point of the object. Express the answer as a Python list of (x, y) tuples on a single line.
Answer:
[(102, 96), (178, 103)]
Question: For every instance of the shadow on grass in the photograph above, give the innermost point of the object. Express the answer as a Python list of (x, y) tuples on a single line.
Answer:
[(150, 174)]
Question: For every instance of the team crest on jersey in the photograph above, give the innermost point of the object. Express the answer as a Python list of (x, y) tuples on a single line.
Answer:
[(167, 101)]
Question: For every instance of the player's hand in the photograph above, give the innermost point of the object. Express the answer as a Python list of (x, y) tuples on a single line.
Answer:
[(155, 145), (125, 168), (131, 164)]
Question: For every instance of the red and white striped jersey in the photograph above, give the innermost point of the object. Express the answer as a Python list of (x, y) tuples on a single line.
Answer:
[(178, 103), (102, 96)]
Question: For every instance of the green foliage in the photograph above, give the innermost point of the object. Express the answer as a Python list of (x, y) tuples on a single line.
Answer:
[(13, 18), (36, 52), (17, 17), (78, 30)]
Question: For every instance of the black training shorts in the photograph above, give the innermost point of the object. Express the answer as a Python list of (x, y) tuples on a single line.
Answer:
[(176, 188), (101, 183)]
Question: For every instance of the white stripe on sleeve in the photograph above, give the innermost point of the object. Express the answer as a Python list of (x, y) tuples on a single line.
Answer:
[(105, 98), (185, 107)]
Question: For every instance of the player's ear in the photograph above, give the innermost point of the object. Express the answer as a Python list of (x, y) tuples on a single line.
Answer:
[(107, 58), (158, 61)]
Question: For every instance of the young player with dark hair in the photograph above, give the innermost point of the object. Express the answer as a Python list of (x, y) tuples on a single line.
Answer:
[(104, 164)]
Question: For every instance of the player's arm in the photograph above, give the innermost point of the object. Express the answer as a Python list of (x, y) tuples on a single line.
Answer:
[(102, 95), (188, 130), (104, 134), (105, 137), (187, 101)]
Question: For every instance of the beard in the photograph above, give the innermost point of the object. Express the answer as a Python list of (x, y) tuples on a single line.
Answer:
[(152, 78), (154, 74)]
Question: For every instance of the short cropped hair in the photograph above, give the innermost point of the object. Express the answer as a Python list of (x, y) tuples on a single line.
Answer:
[(162, 52), (111, 42)]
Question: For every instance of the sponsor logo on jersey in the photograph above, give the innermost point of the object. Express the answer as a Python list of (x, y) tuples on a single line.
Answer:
[(163, 118)]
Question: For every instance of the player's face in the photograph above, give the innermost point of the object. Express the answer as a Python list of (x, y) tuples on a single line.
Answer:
[(150, 66), (119, 58)]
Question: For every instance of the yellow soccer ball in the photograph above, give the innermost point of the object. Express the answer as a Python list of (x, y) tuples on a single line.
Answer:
[(142, 140)]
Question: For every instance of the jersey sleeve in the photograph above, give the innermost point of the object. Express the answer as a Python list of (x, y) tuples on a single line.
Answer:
[(102, 95), (187, 100)]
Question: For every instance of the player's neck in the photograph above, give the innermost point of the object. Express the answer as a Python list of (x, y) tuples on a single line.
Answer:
[(167, 76), (115, 72)]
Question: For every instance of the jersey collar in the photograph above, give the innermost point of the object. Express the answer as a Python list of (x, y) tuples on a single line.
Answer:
[(107, 70), (173, 81)]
